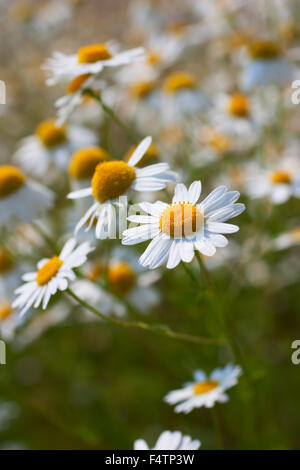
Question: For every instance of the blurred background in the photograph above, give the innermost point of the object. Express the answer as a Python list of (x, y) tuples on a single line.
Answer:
[(87, 385)]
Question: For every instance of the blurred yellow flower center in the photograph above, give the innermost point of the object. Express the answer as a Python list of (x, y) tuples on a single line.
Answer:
[(49, 270), (296, 234), (153, 57), (77, 83), (141, 89), (93, 53), (96, 271), (121, 277), (220, 142), (178, 81), (83, 162), (239, 105), (111, 180), (205, 387), (181, 219), (151, 156), (6, 261), (5, 310), (11, 179), (264, 50), (280, 177), (50, 134)]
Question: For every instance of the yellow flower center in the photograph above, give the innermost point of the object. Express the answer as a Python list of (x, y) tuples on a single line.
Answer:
[(96, 271), (151, 156), (93, 53), (121, 277), (153, 57), (217, 140), (239, 105), (6, 261), (205, 387), (178, 81), (141, 89), (5, 310), (83, 162), (295, 233), (264, 50), (11, 179), (50, 134), (111, 180), (49, 270), (181, 219), (77, 83), (280, 177)]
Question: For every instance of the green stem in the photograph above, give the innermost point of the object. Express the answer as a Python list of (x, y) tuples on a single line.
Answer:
[(112, 114), (162, 330), (217, 427)]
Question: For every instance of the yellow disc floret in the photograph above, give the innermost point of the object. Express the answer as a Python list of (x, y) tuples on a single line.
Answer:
[(205, 387), (11, 179), (153, 57), (77, 83), (83, 162), (141, 89), (280, 177), (6, 261), (5, 310), (49, 270), (111, 180), (239, 105), (179, 81), (181, 219), (93, 53), (50, 133), (121, 277), (264, 49), (295, 233)]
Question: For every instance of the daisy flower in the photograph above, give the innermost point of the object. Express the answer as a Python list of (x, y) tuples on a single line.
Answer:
[(20, 198), (169, 440), (179, 228), (83, 163), (52, 275), (91, 59), (278, 182), (287, 239), (267, 66), (9, 320), (51, 145), (204, 391), (114, 179)]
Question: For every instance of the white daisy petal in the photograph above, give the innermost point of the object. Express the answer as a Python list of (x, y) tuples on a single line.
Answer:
[(194, 192), (140, 151)]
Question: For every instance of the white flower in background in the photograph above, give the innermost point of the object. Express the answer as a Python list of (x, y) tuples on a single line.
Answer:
[(169, 440), (99, 298), (279, 182), (21, 199), (91, 59), (211, 145), (52, 275), (114, 179), (181, 97), (267, 66), (10, 271), (204, 390), (179, 228), (51, 146), (287, 239), (9, 320)]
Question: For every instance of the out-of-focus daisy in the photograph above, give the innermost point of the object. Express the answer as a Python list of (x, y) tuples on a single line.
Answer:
[(179, 228), (9, 320), (10, 272), (169, 440), (211, 145), (279, 182), (91, 59), (287, 239), (52, 275), (21, 199), (83, 163), (204, 390), (266, 66), (114, 179), (181, 96), (51, 146)]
